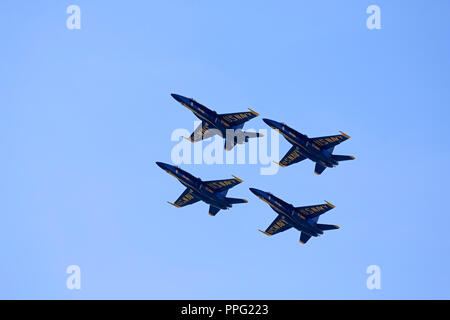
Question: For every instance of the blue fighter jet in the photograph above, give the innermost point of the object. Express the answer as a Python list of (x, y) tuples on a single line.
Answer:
[(221, 124), (319, 150), (212, 192), (304, 219)]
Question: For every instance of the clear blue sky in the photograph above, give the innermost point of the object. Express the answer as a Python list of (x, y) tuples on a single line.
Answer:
[(86, 113)]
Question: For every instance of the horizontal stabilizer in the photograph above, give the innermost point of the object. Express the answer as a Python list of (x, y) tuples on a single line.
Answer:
[(239, 137), (342, 158), (251, 134), (325, 227), (236, 200)]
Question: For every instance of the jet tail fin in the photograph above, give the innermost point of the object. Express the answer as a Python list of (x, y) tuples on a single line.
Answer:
[(236, 200), (304, 237), (213, 210), (342, 158), (325, 227), (319, 168)]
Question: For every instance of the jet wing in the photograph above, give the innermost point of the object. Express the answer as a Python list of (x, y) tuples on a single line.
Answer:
[(328, 142), (222, 185), (203, 131), (238, 118), (186, 198), (278, 225), (291, 157), (314, 211)]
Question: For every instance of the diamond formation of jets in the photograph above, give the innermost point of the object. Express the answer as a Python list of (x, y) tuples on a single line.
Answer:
[(214, 123), (319, 150), (304, 219), (212, 192)]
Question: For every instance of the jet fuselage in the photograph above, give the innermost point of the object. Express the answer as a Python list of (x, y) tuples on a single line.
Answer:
[(288, 211), (201, 190), (303, 144)]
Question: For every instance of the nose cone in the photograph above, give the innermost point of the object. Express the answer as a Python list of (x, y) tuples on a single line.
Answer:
[(175, 96), (180, 99), (258, 193), (165, 166), (273, 124)]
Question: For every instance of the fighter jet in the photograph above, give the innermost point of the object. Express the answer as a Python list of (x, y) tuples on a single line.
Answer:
[(304, 219), (319, 150), (214, 123), (211, 192)]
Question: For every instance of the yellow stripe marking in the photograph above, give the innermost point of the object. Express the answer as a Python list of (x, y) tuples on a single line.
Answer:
[(331, 205), (268, 234), (177, 206), (240, 180), (345, 135), (281, 165)]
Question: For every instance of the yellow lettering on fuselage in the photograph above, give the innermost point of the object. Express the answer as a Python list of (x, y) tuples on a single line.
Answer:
[(312, 210)]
